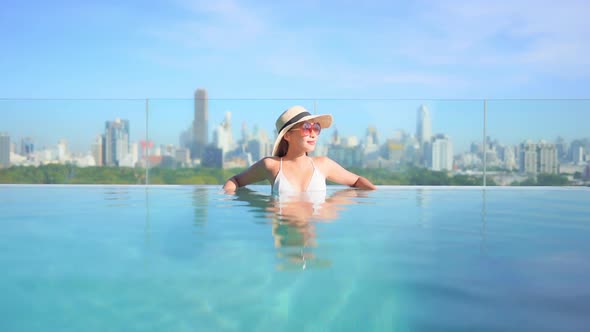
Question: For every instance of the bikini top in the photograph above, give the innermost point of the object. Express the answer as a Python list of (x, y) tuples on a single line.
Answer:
[(281, 186)]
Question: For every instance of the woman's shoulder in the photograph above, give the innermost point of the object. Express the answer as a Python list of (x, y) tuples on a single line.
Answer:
[(270, 162), (320, 160), (323, 163)]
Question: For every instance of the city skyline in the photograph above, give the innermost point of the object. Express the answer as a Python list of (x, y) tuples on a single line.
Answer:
[(426, 148), (509, 121)]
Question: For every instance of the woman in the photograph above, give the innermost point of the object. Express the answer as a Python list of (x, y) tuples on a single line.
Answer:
[(290, 170)]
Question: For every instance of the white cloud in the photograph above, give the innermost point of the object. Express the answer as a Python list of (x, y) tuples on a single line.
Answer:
[(541, 35), (441, 44), (212, 25)]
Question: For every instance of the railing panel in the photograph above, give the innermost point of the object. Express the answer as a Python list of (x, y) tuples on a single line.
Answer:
[(71, 141), (538, 142)]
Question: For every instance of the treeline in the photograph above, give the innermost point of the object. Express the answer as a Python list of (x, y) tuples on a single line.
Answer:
[(70, 174), (544, 180)]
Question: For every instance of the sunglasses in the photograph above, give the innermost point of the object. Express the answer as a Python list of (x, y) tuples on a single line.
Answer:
[(308, 127)]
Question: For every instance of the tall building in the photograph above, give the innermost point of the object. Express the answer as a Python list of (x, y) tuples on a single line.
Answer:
[(562, 149), (423, 125), (222, 135), (200, 129), (547, 158), (538, 158), (62, 150), (4, 150), (27, 146), (97, 150), (509, 157), (440, 153), (116, 142), (578, 154), (528, 157)]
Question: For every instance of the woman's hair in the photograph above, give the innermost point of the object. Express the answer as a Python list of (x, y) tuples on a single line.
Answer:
[(283, 147)]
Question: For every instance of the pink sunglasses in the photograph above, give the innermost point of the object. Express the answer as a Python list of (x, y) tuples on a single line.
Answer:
[(308, 127)]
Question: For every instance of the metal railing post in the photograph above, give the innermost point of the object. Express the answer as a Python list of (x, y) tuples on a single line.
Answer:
[(147, 149), (485, 141)]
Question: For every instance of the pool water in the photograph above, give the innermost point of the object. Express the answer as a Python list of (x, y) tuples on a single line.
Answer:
[(191, 258)]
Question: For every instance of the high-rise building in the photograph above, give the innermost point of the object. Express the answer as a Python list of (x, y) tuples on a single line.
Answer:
[(538, 158), (182, 156), (528, 157), (562, 149), (4, 150), (509, 157), (547, 158), (578, 154), (97, 150), (116, 141), (222, 135), (346, 155), (258, 145), (576, 151), (440, 153), (200, 129), (212, 157), (27, 146), (62, 150), (423, 125)]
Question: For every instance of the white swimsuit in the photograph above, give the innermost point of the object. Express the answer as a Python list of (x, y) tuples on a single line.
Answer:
[(286, 194), (282, 186)]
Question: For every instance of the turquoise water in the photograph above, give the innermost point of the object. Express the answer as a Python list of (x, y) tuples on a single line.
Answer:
[(124, 258)]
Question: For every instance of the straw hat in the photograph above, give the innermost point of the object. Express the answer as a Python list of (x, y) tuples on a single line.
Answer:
[(293, 116)]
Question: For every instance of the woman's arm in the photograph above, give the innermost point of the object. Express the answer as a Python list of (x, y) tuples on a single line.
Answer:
[(364, 183), (336, 173), (255, 173)]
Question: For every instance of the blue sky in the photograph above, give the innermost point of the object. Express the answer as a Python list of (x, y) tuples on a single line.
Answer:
[(304, 49)]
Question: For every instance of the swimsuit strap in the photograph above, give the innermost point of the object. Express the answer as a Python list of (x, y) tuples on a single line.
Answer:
[(312, 164)]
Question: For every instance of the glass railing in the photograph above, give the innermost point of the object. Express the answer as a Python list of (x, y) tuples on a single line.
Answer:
[(205, 141)]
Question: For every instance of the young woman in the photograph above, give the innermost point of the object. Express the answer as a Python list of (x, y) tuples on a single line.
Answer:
[(290, 170)]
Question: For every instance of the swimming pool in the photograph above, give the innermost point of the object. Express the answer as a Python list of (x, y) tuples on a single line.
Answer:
[(190, 258)]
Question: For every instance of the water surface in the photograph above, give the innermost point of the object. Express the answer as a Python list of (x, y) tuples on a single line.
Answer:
[(191, 258)]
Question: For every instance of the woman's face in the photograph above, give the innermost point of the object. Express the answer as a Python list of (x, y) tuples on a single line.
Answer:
[(304, 135)]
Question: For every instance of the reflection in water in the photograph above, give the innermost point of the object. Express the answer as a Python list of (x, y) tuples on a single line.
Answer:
[(200, 203), (117, 197), (483, 222), (147, 216), (423, 202), (294, 221)]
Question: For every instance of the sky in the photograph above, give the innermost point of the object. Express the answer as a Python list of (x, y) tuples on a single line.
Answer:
[(368, 63)]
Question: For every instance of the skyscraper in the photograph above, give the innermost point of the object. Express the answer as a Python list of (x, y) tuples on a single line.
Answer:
[(200, 129), (4, 150), (547, 158), (27, 146), (528, 157), (423, 125), (222, 135), (116, 142), (440, 154), (97, 150), (538, 158)]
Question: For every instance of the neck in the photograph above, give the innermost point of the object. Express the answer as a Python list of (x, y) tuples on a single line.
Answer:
[(295, 155)]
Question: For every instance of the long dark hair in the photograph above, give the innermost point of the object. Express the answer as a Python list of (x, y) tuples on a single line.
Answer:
[(283, 148)]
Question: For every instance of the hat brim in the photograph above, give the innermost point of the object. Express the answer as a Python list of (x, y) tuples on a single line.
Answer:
[(325, 120)]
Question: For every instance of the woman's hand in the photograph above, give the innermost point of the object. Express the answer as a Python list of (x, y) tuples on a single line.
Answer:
[(231, 185)]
